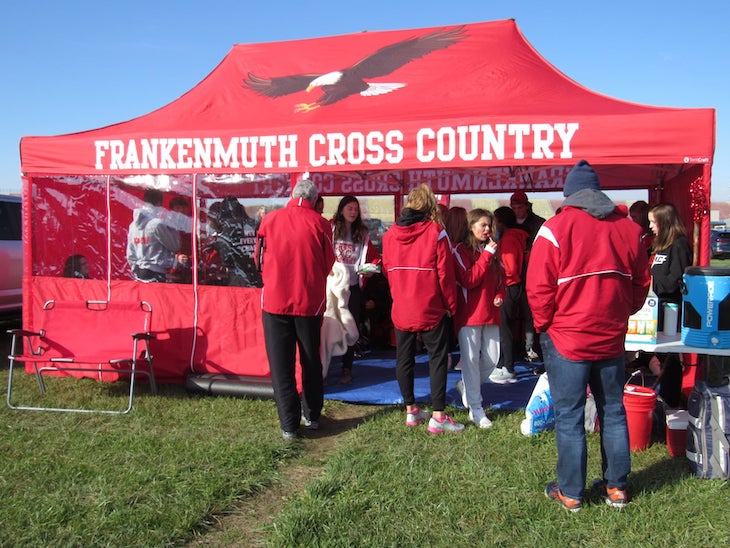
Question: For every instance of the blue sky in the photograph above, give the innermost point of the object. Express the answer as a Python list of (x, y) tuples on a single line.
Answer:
[(78, 65)]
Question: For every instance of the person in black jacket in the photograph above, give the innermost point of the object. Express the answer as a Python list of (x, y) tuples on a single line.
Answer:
[(671, 254)]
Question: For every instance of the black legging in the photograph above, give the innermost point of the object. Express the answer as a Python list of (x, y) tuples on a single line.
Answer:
[(436, 341)]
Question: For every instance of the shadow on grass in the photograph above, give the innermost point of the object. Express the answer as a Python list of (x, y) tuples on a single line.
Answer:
[(343, 417), (659, 475)]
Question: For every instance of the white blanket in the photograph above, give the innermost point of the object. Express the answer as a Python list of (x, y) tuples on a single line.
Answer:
[(339, 329)]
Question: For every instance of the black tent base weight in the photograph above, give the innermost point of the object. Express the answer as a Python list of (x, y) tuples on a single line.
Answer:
[(213, 384)]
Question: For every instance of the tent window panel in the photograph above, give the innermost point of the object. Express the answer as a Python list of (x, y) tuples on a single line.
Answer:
[(377, 212), (228, 241), (231, 209), (69, 222), (152, 216)]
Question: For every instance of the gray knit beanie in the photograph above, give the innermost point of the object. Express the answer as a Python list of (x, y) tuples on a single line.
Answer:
[(581, 177)]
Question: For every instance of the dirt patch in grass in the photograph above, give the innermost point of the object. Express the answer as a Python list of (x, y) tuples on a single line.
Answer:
[(246, 524)]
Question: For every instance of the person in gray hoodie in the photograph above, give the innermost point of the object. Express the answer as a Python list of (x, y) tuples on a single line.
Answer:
[(151, 243)]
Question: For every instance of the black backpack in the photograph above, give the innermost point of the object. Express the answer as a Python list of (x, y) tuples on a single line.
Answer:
[(708, 431)]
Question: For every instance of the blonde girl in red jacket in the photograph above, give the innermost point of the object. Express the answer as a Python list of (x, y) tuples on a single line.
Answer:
[(481, 293), (419, 265)]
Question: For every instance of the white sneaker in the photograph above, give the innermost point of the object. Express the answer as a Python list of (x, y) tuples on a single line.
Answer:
[(478, 417), (532, 356), (436, 426), (418, 417), (460, 390), (501, 376), (311, 425)]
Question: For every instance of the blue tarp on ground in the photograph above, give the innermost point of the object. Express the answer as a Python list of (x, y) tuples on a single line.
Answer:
[(374, 382)]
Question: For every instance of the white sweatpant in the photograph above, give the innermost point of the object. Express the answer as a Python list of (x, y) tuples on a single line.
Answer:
[(479, 347)]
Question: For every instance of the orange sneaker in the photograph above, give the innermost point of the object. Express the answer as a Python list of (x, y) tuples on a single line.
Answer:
[(617, 498), (553, 492), (614, 497)]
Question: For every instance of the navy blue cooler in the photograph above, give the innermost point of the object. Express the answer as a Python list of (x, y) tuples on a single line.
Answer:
[(706, 307)]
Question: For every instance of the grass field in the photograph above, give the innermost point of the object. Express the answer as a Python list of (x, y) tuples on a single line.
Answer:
[(180, 463), (164, 473)]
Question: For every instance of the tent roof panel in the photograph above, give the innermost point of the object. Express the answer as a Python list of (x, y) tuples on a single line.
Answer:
[(475, 95)]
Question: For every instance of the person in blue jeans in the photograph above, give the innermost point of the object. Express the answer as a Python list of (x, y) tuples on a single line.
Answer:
[(568, 381), (588, 273)]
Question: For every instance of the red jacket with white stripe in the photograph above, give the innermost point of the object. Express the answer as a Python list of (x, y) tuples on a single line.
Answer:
[(588, 272), (512, 246), (481, 279), (295, 254), (419, 265)]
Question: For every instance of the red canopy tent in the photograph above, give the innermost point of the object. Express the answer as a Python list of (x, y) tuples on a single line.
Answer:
[(466, 109)]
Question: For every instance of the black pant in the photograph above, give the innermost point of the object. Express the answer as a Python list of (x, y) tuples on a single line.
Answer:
[(509, 313), (354, 306), (283, 334), (532, 340), (670, 388), (436, 341)]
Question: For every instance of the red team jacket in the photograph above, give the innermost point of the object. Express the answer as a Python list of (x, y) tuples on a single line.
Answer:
[(295, 254), (480, 281), (512, 246), (419, 265), (585, 277)]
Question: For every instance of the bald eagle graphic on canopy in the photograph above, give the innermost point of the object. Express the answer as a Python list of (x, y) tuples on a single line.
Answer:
[(339, 84)]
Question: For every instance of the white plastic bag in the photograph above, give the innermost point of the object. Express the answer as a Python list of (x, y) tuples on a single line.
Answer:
[(591, 417), (539, 413)]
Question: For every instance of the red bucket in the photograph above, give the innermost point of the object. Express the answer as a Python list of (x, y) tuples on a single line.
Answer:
[(677, 420), (639, 402)]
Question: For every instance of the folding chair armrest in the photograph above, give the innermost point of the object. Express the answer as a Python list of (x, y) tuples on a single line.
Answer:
[(146, 336), (21, 335), (25, 333)]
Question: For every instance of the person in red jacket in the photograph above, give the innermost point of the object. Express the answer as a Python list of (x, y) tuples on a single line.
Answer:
[(530, 222), (512, 247), (295, 254), (481, 293), (419, 265), (588, 273)]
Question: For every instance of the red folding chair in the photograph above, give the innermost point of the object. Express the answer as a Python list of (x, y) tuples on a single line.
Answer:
[(104, 340)]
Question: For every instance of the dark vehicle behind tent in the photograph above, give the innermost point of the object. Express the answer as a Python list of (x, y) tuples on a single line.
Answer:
[(11, 254), (720, 244)]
